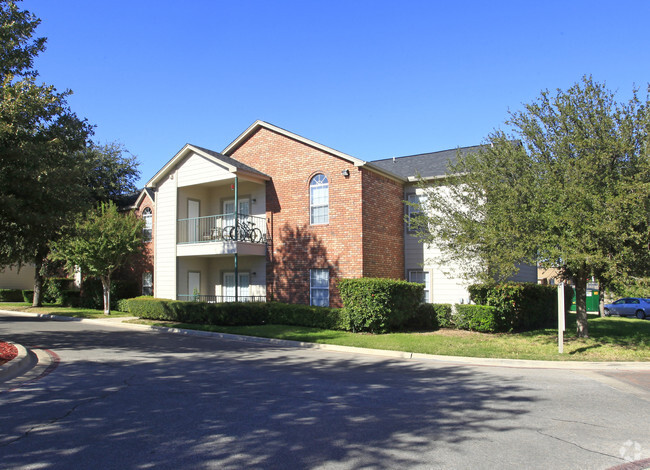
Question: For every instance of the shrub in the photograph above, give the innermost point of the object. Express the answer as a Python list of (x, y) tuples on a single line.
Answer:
[(444, 315), (11, 295), (379, 305), (28, 295), (520, 306), (429, 317), (232, 314), (92, 292), (71, 298), (306, 315), (53, 289), (476, 318)]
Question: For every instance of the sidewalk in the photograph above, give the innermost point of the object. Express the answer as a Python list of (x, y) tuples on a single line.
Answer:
[(468, 361)]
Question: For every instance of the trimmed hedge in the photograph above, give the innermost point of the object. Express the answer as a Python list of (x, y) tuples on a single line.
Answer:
[(429, 317), (379, 305), (481, 318), (11, 295), (520, 306), (28, 295), (235, 314), (306, 315)]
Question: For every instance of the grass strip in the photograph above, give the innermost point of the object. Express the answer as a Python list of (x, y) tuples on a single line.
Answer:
[(612, 338), (53, 309)]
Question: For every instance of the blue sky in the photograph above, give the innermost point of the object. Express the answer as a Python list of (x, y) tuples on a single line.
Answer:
[(373, 79)]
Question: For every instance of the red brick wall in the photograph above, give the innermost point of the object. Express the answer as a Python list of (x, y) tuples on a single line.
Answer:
[(296, 246), (364, 237), (143, 262), (383, 226)]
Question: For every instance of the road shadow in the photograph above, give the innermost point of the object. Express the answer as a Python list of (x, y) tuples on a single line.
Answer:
[(128, 399)]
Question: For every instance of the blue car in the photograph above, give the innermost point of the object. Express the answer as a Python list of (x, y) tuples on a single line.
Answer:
[(628, 307)]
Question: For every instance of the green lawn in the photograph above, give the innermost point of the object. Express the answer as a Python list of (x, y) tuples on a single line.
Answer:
[(51, 309), (612, 339)]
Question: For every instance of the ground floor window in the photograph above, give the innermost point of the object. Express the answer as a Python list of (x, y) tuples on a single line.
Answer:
[(228, 290), (319, 287), (147, 283), (422, 277)]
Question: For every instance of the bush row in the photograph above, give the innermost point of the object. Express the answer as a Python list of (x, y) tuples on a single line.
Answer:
[(58, 291), (520, 306), (11, 295), (234, 314), (379, 305)]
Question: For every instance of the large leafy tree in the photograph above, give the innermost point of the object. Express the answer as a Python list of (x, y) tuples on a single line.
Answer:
[(40, 181), (569, 188), (111, 171), (50, 171), (100, 243)]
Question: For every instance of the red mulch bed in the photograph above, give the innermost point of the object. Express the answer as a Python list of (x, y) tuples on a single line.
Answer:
[(7, 352)]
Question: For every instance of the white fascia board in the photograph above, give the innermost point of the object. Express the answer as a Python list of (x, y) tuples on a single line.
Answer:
[(349, 158), (414, 179), (259, 124), (187, 148)]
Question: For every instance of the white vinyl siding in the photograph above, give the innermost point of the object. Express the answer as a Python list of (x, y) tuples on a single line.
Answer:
[(13, 278), (319, 287), (319, 200), (165, 246), (196, 169)]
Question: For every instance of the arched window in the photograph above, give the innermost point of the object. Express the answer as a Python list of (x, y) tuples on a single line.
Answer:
[(147, 216), (319, 199)]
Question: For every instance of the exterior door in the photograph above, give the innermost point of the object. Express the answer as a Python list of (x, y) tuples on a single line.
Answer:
[(229, 287), (229, 210), (193, 213), (193, 284)]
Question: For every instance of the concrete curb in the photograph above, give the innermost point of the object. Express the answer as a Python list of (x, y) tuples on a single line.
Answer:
[(452, 360), (17, 364)]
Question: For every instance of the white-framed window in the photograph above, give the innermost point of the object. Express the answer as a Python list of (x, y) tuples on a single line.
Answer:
[(422, 277), (319, 287), (228, 288), (319, 200), (412, 211), (229, 210), (147, 283), (147, 231)]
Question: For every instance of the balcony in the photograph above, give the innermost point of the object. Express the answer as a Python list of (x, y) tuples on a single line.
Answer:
[(218, 235)]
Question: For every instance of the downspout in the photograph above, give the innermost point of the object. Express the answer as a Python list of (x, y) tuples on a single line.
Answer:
[(236, 238)]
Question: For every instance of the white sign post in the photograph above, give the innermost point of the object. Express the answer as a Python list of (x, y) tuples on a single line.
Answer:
[(560, 318)]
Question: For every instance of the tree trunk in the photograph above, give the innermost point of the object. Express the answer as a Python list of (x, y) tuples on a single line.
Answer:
[(581, 306), (37, 300), (106, 285)]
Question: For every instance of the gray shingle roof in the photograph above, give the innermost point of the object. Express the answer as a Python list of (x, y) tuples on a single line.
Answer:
[(426, 165)]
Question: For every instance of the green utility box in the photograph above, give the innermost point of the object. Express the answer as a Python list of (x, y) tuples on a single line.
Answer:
[(593, 298)]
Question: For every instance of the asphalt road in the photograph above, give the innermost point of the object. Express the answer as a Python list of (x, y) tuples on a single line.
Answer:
[(128, 399)]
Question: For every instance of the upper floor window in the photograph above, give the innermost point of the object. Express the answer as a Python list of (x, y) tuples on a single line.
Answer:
[(319, 200), (413, 212), (147, 216)]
